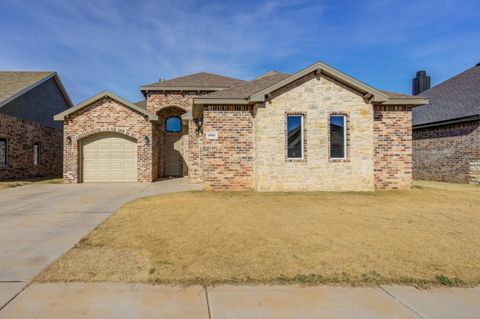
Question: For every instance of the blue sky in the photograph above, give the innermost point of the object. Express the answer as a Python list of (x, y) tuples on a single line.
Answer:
[(119, 45)]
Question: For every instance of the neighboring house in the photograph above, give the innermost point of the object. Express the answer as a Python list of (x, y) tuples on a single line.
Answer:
[(446, 133), (30, 140), (317, 129)]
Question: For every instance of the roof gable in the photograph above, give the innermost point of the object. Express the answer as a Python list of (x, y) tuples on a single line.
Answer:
[(99, 96), (259, 89), (455, 98), (16, 83), (197, 81)]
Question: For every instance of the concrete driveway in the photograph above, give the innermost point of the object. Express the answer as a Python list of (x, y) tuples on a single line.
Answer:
[(40, 222)]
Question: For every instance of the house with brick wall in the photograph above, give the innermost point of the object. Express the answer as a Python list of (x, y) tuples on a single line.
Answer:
[(317, 129), (446, 132), (30, 140)]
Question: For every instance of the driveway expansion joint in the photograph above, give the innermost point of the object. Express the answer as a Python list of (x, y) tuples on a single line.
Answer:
[(401, 302), (205, 289)]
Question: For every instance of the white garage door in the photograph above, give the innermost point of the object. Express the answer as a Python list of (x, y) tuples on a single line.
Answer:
[(109, 157)]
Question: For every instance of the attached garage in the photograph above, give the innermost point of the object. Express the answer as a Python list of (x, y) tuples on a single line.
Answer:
[(109, 157), (108, 139)]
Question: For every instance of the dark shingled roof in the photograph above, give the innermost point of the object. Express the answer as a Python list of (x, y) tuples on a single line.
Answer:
[(397, 95), (142, 103), (246, 89), (455, 98), (14, 82), (201, 80)]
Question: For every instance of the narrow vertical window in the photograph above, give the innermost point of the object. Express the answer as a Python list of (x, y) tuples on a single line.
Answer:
[(3, 152), (36, 153), (295, 136), (338, 137)]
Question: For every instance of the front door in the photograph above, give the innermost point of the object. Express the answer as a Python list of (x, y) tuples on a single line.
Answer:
[(173, 157)]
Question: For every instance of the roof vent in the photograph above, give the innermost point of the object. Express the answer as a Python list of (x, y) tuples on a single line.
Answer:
[(420, 83)]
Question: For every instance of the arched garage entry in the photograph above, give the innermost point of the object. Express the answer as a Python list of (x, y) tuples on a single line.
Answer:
[(108, 157)]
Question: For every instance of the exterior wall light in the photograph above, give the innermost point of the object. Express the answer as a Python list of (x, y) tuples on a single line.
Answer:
[(69, 140), (146, 139)]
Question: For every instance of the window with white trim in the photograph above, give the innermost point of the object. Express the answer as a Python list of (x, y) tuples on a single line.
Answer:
[(3, 151), (338, 136), (294, 136), (36, 153)]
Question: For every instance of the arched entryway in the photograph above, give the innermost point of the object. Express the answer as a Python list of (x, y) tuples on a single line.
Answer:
[(108, 157), (172, 148)]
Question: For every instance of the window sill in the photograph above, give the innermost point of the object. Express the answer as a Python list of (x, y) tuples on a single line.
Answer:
[(339, 160), (294, 160)]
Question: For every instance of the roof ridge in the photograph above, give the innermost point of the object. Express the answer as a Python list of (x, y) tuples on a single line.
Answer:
[(194, 81)]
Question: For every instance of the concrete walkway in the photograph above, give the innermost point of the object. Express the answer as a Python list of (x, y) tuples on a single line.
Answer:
[(40, 222), (119, 300)]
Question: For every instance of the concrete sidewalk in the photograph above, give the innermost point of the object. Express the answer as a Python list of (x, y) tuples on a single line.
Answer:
[(119, 300)]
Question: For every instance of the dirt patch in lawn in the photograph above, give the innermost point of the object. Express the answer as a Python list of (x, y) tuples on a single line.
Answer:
[(23, 182), (425, 236)]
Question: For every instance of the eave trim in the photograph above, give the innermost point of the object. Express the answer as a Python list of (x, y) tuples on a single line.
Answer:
[(447, 122), (101, 95), (321, 67), (53, 75), (203, 101)]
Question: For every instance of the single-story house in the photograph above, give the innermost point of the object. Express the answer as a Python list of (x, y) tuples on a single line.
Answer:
[(317, 129), (446, 133), (30, 140)]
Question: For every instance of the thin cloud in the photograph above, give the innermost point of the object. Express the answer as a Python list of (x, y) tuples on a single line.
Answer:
[(119, 45)]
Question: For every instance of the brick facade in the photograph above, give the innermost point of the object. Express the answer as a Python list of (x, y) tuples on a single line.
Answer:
[(166, 104), (21, 136), (392, 129), (449, 153), (379, 143), (228, 160), (246, 144), (107, 115)]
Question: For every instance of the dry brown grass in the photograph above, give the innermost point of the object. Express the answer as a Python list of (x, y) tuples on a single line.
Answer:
[(428, 235), (23, 182)]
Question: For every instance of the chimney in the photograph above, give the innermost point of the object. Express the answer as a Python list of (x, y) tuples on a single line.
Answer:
[(420, 83)]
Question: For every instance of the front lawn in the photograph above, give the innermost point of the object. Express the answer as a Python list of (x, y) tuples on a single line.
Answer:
[(425, 236)]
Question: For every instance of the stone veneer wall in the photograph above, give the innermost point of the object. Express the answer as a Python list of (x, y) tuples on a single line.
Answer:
[(393, 147), (21, 135), (229, 159), (448, 153), (107, 115), (317, 98)]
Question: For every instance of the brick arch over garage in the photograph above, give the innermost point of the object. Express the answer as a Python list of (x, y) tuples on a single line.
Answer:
[(93, 131), (108, 116)]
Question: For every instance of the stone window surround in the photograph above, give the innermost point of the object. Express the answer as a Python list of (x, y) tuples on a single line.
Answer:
[(346, 159), (37, 155), (304, 122), (6, 152)]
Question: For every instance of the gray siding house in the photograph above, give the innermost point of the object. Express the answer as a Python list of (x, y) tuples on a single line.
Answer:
[(30, 140)]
